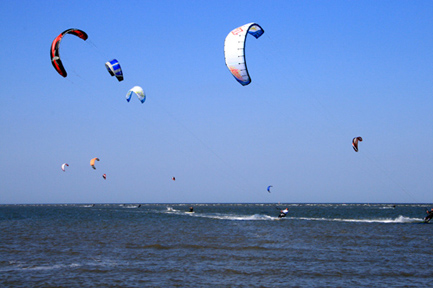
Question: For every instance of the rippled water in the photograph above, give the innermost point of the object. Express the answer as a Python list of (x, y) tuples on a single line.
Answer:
[(223, 245)]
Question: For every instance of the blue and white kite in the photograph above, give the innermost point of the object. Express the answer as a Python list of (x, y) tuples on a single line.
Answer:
[(114, 69)]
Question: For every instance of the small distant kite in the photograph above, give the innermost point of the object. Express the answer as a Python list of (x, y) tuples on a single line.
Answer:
[(173, 178), (114, 69), (64, 165), (92, 162), (269, 188), (355, 143), (104, 176), (137, 90)]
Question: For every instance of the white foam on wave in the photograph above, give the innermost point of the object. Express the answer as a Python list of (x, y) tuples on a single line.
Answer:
[(21, 266), (262, 217), (399, 219), (219, 216), (129, 206), (233, 217), (45, 267)]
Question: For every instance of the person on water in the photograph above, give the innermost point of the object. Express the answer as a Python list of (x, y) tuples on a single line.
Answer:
[(283, 213), (429, 215), (191, 209)]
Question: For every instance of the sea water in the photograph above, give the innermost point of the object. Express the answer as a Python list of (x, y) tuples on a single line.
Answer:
[(220, 245)]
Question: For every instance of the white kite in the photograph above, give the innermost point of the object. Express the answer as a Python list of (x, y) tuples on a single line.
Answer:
[(234, 51), (137, 90), (64, 165)]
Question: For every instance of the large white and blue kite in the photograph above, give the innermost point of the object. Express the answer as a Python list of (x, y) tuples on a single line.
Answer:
[(234, 51)]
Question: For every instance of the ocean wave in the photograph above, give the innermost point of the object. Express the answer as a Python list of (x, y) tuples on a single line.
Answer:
[(263, 217), (220, 216), (130, 206), (399, 219), (387, 207), (254, 217), (18, 266)]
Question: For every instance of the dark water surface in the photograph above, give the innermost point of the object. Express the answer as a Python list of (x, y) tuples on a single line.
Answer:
[(222, 245)]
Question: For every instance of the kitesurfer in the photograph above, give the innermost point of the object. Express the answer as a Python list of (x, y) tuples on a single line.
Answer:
[(283, 213), (191, 209), (429, 215)]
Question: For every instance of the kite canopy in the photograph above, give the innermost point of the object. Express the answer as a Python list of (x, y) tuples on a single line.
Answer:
[(137, 90), (234, 51), (54, 51), (92, 162), (64, 165), (104, 176), (269, 188), (114, 69), (355, 143)]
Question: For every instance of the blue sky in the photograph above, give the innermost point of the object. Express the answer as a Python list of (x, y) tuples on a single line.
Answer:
[(323, 73)]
